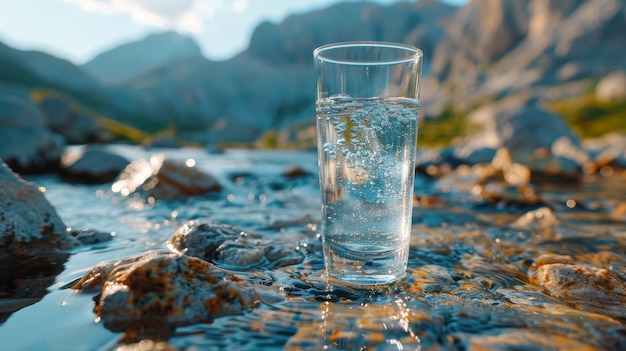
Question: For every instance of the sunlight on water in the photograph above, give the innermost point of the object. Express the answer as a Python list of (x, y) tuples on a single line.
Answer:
[(473, 278)]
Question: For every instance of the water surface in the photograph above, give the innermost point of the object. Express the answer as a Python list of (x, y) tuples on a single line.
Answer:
[(467, 286)]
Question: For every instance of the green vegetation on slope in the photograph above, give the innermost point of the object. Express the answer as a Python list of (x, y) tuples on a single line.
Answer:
[(589, 117), (442, 130)]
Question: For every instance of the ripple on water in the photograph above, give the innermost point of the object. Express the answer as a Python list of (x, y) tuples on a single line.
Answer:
[(467, 285)]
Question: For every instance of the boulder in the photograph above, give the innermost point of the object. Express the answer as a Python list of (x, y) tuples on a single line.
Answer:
[(77, 127), (162, 178), (157, 291), (27, 145), (534, 137), (518, 124), (29, 224), (93, 165)]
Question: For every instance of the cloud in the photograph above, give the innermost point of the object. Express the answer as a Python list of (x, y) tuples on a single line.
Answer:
[(185, 15)]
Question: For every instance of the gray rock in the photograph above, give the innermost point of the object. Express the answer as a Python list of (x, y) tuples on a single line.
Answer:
[(233, 248), (88, 236), (29, 224), (534, 137), (27, 145), (517, 124), (96, 165), (62, 117)]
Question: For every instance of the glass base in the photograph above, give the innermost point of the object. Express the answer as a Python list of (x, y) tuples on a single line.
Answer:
[(360, 268)]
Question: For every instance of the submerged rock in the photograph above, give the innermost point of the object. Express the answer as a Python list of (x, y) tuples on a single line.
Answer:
[(158, 291), (233, 248), (583, 287), (96, 165), (163, 178)]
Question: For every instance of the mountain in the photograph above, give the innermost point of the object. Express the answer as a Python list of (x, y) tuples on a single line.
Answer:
[(271, 85), (38, 69), (135, 58), (498, 48), (293, 40), (485, 51)]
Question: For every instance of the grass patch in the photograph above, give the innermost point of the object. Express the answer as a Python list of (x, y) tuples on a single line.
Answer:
[(442, 130), (589, 117)]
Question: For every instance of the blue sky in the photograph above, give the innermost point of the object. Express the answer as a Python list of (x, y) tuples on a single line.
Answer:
[(77, 30)]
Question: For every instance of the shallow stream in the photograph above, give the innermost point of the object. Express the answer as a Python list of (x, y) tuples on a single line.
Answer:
[(468, 286)]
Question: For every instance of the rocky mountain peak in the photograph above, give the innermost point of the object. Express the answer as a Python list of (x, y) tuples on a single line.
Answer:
[(138, 57)]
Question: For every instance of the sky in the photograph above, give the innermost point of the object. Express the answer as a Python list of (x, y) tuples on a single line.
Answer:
[(78, 30)]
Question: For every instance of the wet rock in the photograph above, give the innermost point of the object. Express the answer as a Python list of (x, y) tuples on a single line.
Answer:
[(162, 178), (33, 240), (612, 87), (583, 287), (95, 165), (29, 224), (541, 218), (95, 278), (609, 150), (87, 236), (27, 145), (233, 248), (160, 291), (294, 171)]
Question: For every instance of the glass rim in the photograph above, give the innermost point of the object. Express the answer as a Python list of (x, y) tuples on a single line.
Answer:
[(415, 52)]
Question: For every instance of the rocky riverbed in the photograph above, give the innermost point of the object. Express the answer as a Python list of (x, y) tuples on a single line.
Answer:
[(185, 248)]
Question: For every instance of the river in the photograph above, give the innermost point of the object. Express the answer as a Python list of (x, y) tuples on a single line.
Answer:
[(471, 282)]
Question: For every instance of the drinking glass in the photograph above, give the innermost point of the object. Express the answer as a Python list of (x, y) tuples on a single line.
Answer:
[(367, 113)]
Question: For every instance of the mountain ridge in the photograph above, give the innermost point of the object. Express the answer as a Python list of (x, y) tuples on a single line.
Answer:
[(483, 51)]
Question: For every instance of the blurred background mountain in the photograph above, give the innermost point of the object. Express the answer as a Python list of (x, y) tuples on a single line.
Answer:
[(567, 54)]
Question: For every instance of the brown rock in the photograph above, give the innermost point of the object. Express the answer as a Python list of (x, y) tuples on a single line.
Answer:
[(583, 287), (159, 291), (95, 165), (164, 179), (538, 219)]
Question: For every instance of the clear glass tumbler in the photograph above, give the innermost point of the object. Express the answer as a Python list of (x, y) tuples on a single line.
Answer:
[(367, 114)]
